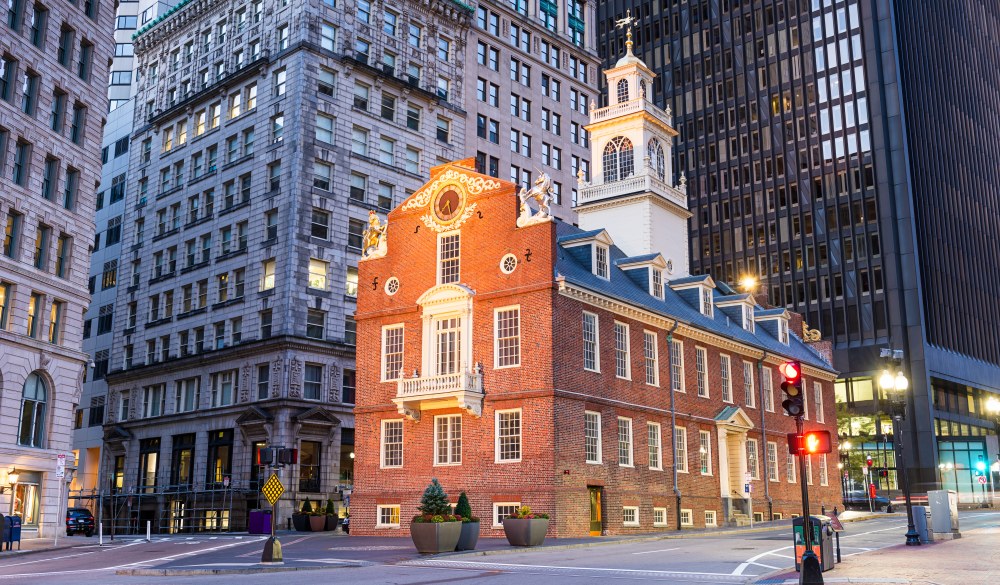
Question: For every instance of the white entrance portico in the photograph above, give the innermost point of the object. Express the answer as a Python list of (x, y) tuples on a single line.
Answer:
[(732, 425)]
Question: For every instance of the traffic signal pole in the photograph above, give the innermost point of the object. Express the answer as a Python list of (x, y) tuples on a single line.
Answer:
[(810, 573)]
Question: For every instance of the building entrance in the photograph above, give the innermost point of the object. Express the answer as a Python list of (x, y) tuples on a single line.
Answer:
[(596, 511)]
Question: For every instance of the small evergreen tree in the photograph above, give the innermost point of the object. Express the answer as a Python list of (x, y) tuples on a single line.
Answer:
[(463, 508), (307, 507), (434, 501), (330, 509)]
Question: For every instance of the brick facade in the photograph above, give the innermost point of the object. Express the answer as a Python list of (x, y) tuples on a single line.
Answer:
[(551, 386)]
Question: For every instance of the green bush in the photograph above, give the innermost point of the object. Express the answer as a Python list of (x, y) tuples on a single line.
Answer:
[(307, 507), (464, 510), (331, 510)]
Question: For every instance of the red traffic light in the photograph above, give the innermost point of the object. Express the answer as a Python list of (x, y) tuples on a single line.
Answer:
[(816, 442), (792, 371), (868, 461)]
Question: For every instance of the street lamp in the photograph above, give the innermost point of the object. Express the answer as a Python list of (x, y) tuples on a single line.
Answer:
[(894, 383)]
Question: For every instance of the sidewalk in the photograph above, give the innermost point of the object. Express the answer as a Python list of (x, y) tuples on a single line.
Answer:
[(965, 561)]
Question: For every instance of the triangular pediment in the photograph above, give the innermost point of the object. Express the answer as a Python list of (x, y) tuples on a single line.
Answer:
[(445, 293), (734, 416), (317, 415), (116, 433), (254, 415)]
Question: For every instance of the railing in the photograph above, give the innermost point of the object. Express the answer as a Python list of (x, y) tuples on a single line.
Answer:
[(457, 382), (630, 107), (633, 184)]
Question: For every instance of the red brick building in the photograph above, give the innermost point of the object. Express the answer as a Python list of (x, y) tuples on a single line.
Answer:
[(545, 365)]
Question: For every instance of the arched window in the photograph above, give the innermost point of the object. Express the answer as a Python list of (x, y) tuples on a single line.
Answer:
[(642, 89), (622, 90), (33, 401), (654, 150), (619, 161)]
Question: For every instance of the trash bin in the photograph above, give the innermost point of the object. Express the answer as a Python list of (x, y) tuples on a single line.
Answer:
[(821, 541), (12, 526), (921, 517), (259, 522)]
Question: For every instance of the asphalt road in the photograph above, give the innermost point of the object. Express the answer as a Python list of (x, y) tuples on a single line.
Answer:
[(323, 558)]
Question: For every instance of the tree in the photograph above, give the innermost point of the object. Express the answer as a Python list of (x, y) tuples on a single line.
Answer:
[(434, 501), (463, 508)]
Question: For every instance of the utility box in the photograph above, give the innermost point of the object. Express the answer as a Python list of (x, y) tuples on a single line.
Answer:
[(944, 512), (12, 531), (821, 541)]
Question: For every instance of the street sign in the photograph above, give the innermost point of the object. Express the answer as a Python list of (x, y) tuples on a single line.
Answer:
[(982, 479), (846, 475), (61, 465), (864, 470), (746, 488), (835, 524), (747, 477), (272, 489)]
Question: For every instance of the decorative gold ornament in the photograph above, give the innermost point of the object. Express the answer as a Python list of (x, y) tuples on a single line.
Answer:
[(810, 334)]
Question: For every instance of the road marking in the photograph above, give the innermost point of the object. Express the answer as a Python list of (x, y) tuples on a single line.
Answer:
[(561, 568), (763, 565), (646, 552), (46, 560), (753, 560)]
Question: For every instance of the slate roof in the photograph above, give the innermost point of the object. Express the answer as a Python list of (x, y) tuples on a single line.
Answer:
[(637, 259), (624, 289)]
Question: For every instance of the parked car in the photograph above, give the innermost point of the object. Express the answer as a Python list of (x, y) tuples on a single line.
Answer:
[(79, 520), (858, 500)]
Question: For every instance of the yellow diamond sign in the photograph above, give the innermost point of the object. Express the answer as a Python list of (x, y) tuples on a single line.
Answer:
[(272, 489)]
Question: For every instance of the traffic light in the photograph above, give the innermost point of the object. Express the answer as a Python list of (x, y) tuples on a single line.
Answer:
[(792, 386), (816, 442), (883, 472), (869, 462)]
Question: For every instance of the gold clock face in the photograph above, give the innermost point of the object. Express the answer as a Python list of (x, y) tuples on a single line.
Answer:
[(447, 205)]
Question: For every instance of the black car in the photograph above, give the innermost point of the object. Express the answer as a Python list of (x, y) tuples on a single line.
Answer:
[(79, 520), (858, 500)]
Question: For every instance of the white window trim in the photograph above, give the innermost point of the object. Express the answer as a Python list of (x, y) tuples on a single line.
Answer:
[(754, 470), (824, 474), (790, 467), (677, 461), (435, 441), (679, 352), (773, 475), (656, 357), (768, 387), (703, 291), (750, 400), (381, 442), (597, 343), (378, 515), (713, 515), (496, 436), (709, 443), (659, 524), (496, 505), (659, 444), (818, 400), (628, 351), (385, 329), (631, 442), (634, 522), (437, 265), (600, 446), (690, 517), (607, 258), (704, 374), (728, 378), (496, 337)]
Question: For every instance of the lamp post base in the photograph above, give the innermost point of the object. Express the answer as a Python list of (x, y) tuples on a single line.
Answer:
[(912, 538), (811, 572)]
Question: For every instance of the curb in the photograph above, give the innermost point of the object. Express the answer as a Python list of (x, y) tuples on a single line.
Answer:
[(245, 571)]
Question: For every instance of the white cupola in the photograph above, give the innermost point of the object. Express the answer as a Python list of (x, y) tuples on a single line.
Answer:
[(632, 193)]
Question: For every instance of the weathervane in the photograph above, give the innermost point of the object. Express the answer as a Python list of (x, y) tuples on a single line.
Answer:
[(626, 23)]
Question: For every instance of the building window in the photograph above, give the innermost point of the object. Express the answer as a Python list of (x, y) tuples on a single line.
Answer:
[(727, 382), (448, 345), (592, 436), (448, 440), (317, 274), (267, 275), (710, 518), (392, 352), (630, 515), (818, 401), (655, 447), (392, 443), (772, 461), (677, 366), (35, 303), (223, 388), (823, 478), (315, 323), (753, 466), (601, 261), (790, 468), (750, 400), (312, 383), (34, 397), (263, 381), (387, 516), (768, 389), (619, 160), (651, 356), (623, 365), (706, 301), (687, 518), (149, 456), (624, 442), (508, 337), (659, 517), (705, 451), (680, 449), (590, 339), (309, 466), (508, 435), (5, 303), (449, 258), (153, 400), (701, 365), (502, 510)]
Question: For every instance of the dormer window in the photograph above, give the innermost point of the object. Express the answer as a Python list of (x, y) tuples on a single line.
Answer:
[(448, 258), (601, 261), (656, 283), (748, 322), (783, 331), (706, 302)]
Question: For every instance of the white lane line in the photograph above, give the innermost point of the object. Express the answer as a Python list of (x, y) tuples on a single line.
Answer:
[(872, 532), (469, 564), (763, 565), (753, 560), (646, 552), (46, 560)]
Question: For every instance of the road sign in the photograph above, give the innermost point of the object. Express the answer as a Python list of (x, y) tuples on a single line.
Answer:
[(846, 475), (272, 489), (835, 524), (746, 488), (61, 465), (982, 479)]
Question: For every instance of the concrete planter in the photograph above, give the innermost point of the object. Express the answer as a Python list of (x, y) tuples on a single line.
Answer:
[(439, 537), (300, 522), (469, 537), (525, 532), (317, 523), (331, 522)]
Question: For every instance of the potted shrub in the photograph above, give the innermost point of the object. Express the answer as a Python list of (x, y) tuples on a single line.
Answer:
[(331, 516), (470, 524), (317, 520), (525, 527), (300, 519), (435, 529)]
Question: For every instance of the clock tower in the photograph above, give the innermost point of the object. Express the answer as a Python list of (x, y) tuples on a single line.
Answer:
[(631, 193)]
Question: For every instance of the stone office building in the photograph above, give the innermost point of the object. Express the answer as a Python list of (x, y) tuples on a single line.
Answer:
[(53, 71), (264, 136)]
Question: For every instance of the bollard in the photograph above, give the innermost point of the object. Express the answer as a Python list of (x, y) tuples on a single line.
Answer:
[(100, 534), (147, 531)]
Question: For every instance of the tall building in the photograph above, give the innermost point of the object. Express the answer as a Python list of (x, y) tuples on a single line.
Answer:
[(259, 149), (816, 130), (547, 360), (53, 66)]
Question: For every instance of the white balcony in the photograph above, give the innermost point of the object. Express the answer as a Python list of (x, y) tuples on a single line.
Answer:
[(636, 184), (632, 106), (462, 390)]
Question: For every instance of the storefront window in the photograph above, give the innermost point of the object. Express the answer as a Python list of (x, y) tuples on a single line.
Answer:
[(25, 503)]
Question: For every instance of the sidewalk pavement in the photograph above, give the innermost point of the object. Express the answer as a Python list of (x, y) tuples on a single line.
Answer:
[(964, 561)]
